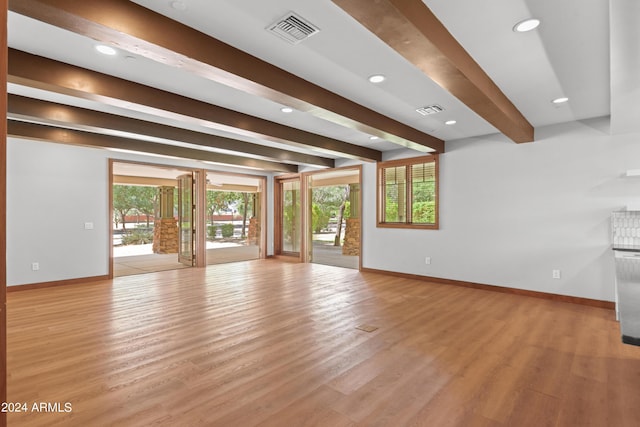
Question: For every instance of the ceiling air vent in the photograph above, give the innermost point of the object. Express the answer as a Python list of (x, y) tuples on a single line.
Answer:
[(293, 28), (431, 109)]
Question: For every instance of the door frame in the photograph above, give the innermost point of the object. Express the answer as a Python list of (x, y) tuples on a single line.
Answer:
[(199, 212), (198, 218), (186, 183), (305, 235), (278, 222), (202, 192), (200, 198), (308, 233)]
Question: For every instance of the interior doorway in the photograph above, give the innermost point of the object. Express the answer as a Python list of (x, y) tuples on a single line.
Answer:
[(318, 217), (333, 212), (234, 217), (288, 220), (149, 218), (166, 218)]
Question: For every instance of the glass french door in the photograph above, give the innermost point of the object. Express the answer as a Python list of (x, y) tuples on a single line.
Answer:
[(290, 217), (186, 219)]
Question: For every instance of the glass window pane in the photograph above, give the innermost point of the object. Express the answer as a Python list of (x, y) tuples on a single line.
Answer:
[(395, 191), (408, 193), (423, 192), (291, 216)]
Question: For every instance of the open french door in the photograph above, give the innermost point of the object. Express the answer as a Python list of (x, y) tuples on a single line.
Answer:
[(186, 219)]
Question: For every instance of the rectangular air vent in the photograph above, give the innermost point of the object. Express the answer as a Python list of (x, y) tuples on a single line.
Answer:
[(431, 109), (293, 28)]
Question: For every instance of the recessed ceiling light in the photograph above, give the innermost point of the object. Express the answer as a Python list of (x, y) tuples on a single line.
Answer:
[(450, 122), (526, 25), (286, 110), (377, 78), (373, 138), (560, 100), (106, 50), (178, 5)]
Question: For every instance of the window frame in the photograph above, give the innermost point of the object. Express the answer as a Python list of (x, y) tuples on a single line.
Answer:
[(380, 192)]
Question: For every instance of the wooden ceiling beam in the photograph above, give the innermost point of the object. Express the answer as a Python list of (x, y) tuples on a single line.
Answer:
[(141, 31), (51, 113), (410, 28), (42, 73), (38, 132)]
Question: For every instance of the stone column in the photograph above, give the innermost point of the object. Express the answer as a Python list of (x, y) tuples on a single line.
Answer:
[(166, 196), (352, 232), (352, 237), (254, 231), (165, 230)]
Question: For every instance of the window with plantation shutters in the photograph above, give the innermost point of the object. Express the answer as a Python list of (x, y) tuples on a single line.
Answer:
[(395, 189), (408, 193)]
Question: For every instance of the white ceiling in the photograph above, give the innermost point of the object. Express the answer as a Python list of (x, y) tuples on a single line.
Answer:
[(568, 55)]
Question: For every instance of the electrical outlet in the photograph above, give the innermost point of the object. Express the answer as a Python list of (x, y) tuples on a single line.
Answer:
[(427, 260), (88, 226), (555, 274), (35, 266)]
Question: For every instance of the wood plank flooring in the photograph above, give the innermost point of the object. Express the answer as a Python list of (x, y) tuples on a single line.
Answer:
[(268, 343)]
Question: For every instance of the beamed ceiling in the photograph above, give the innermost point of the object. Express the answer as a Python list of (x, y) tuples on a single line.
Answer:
[(204, 79)]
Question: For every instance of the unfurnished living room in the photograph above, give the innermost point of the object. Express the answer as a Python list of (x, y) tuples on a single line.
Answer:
[(320, 213)]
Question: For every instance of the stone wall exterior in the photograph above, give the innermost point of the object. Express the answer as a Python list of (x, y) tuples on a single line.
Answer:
[(254, 231), (165, 236), (351, 244)]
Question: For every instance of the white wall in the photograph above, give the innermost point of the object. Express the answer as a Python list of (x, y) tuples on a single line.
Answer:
[(52, 191), (511, 213)]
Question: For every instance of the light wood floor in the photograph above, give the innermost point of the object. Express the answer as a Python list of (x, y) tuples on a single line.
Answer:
[(270, 343)]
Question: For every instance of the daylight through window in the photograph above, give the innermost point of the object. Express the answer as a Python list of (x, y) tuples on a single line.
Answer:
[(408, 193)]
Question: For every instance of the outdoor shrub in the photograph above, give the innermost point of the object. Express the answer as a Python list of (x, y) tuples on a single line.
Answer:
[(424, 212), (137, 237), (227, 230), (211, 231), (319, 218)]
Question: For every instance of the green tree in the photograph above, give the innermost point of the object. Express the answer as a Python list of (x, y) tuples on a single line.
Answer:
[(133, 197), (331, 200), (391, 210), (291, 218), (217, 201), (423, 208), (347, 209), (244, 208), (424, 212), (343, 205), (145, 200), (122, 204), (319, 218)]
